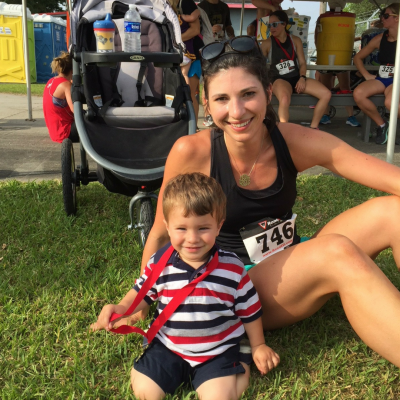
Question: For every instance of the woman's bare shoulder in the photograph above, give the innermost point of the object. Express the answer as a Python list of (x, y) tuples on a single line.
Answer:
[(192, 152)]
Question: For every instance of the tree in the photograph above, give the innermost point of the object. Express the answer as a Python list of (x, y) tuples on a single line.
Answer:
[(41, 6), (363, 11)]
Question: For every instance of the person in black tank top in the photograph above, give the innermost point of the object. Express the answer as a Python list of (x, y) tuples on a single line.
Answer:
[(386, 42), (288, 69), (256, 161)]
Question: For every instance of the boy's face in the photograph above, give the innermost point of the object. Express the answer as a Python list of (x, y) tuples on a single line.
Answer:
[(192, 236)]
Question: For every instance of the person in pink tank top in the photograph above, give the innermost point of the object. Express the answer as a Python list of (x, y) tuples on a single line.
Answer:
[(58, 108)]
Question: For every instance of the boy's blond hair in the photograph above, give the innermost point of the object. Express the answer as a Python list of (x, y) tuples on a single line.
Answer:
[(197, 194), (62, 64)]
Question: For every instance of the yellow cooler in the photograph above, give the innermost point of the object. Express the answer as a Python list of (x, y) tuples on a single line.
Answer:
[(336, 32), (12, 64)]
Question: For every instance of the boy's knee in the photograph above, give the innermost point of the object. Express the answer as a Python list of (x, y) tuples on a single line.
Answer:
[(144, 388)]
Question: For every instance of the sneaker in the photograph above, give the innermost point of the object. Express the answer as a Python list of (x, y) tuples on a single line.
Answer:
[(352, 121), (381, 134), (208, 121), (325, 120)]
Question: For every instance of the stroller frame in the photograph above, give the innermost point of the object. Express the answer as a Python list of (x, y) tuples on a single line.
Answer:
[(147, 180)]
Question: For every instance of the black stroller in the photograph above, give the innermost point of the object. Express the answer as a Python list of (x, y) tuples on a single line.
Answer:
[(138, 105)]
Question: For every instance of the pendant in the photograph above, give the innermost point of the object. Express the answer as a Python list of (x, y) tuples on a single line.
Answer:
[(244, 180)]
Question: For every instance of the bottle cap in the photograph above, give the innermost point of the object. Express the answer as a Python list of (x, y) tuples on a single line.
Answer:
[(132, 7), (104, 25)]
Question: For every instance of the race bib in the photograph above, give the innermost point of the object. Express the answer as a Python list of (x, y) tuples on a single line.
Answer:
[(267, 237), (285, 67), (386, 71)]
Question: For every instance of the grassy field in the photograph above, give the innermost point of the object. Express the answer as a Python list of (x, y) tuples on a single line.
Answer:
[(20, 88), (56, 273)]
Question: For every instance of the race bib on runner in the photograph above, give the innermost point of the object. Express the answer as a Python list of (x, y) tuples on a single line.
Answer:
[(267, 237), (285, 67), (386, 71)]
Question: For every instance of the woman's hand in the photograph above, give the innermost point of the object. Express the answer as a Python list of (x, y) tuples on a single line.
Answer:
[(369, 77), (300, 85), (265, 358)]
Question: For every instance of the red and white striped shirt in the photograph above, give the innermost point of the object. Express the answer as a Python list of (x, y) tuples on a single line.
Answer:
[(210, 320)]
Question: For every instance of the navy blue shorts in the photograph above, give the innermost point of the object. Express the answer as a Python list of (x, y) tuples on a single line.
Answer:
[(169, 370), (386, 81)]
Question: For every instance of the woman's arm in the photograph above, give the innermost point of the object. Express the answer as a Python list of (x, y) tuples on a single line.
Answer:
[(189, 154), (192, 17), (364, 52), (300, 55), (193, 30), (266, 46), (310, 147), (264, 4)]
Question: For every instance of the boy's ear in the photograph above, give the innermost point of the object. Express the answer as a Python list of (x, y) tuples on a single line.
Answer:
[(220, 226)]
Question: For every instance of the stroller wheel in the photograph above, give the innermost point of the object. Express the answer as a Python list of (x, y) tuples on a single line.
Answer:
[(145, 219), (68, 177), (356, 110), (332, 111)]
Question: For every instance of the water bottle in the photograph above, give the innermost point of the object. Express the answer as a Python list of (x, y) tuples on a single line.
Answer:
[(132, 23)]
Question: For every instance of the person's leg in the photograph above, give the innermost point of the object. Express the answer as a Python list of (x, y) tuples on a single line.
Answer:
[(283, 92), (73, 133), (326, 80), (185, 71), (193, 83), (361, 96), (295, 283), (318, 90), (388, 98), (227, 387), (145, 388)]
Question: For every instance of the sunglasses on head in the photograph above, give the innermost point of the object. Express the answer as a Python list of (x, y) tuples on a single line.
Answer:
[(274, 24), (386, 15), (239, 44)]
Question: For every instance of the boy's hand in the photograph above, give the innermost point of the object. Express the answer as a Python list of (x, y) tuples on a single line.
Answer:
[(265, 358), (103, 320)]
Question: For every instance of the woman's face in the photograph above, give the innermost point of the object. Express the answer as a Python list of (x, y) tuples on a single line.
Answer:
[(391, 21), (279, 29), (237, 103)]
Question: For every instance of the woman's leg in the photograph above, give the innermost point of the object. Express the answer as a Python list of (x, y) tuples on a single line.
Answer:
[(295, 283), (145, 388), (318, 90), (388, 98), (283, 92), (361, 96), (193, 83), (228, 387), (326, 80)]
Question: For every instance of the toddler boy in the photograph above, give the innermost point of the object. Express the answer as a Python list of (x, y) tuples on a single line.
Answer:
[(199, 343)]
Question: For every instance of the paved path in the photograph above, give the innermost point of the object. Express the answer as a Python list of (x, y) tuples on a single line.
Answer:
[(27, 153)]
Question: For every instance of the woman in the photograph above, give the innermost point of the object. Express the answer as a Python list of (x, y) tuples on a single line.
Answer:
[(288, 69), (383, 83), (256, 163), (58, 108)]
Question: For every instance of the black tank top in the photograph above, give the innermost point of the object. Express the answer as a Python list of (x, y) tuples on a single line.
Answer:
[(277, 56), (247, 206), (387, 51)]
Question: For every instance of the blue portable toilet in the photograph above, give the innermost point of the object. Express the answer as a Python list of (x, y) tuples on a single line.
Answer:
[(50, 41)]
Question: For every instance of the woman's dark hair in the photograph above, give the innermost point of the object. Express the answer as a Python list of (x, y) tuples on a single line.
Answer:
[(253, 63), (282, 17), (62, 64)]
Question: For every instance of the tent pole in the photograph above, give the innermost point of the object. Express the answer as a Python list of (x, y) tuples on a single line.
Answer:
[(394, 106), (26, 56), (241, 19)]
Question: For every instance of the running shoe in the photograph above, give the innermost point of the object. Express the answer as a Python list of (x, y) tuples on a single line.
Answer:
[(352, 121), (325, 120), (381, 134)]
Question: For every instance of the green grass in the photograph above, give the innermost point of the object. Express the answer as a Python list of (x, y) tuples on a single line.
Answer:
[(20, 88), (56, 273)]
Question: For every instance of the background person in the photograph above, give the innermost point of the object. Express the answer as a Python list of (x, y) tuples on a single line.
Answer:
[(58, 108), (382, 83), (249, 148), (194, 208), (220, 18), (288, 69), (343, 76)]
